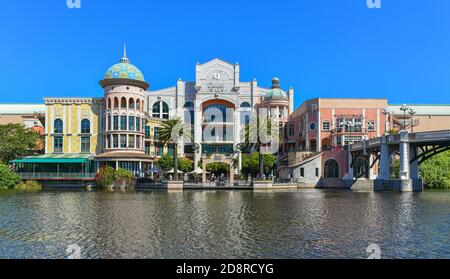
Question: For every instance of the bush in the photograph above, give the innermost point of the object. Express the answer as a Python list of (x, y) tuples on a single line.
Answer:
[(8, 179), (122, 173), (30, 186), (105, 177)]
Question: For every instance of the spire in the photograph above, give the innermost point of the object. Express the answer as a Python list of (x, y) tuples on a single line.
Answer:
[(124, 59)]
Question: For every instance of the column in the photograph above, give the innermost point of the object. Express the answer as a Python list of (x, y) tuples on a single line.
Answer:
[(197, 132), (307, 132), (350, 167), (204, 171), (404, 156), (385, 160)]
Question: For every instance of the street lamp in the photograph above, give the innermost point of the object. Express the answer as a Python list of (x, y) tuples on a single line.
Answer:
[(404, 108), (412, 112), (387, 113)]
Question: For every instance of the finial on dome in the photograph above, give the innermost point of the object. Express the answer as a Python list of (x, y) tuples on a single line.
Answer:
[(124, 59), (275, 82)]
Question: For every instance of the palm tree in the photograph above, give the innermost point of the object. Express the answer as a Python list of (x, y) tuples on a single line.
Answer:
[(262, 131), (173, 131)]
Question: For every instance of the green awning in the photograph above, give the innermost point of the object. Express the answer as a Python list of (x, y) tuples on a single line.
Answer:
[(55, 159)]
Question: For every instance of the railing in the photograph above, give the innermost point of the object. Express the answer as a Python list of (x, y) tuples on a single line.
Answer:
[(55, 176), (431, 135)]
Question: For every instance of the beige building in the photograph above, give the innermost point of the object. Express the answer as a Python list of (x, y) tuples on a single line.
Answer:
[(29, 115), (424, 117)]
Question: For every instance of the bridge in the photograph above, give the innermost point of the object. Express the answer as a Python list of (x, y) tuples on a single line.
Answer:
[(412, 148)]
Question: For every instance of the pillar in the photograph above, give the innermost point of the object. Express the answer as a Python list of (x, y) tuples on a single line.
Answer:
[(197, 132), (204, 171), (232, 173), (350, 167), (404, 156), (414, 170), (385, 160)]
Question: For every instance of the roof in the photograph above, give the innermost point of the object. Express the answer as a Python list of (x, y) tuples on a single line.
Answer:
[(55, 159), (20, 109), (423, 109)]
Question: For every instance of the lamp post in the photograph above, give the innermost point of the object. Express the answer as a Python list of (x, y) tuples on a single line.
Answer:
[(387, 113), (412, 112), (404, 108)]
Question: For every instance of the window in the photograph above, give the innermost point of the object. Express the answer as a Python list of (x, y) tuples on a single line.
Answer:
[(302, 172), (116, 122), (131, 103), (317, 172), (138, 104), (326, 126), (123, 103), (156, 132), (138, 124), (58, 144), (85, 145), (123, 141), (131, 123), (138, 142), (350, 125), (211, 113), (58, 126), (130, 141), (291, 129), (116, 103), (147, 149), (85, 126), (371, 126), (159, 150), (109, 123), (147, 132), (160, 110), (245, 105), (115, 141), (109, 104), (123, 122)]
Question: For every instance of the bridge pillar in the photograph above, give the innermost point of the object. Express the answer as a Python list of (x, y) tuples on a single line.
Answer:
[(414, 167), (350, 167), (404, 156), (385, 160)]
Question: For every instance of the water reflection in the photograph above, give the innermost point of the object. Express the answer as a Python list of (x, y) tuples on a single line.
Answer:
[(210, 224)]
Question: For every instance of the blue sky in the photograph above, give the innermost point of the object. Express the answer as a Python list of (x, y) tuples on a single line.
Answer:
[(323, 48)]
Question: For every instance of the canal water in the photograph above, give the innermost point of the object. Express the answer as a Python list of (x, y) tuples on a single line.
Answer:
[(239, 224)]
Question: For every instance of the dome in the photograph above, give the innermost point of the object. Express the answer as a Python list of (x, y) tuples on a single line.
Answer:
[(276, 93), (124, 69)]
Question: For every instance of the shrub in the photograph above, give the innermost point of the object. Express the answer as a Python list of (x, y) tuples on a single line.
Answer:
[(105, 177), (122, 173), (8, 179), (28, 186)]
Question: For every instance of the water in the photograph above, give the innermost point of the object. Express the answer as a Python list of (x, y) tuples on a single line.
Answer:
[(195, 224)]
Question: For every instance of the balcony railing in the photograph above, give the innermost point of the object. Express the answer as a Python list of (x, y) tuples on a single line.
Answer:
[(56, 176)]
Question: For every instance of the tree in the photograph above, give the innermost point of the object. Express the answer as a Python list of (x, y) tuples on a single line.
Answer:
[(218, 168), (250, 163), (436, 171), (8, 179), (17, 141), (173, 131), (165, 163), (262, 132)]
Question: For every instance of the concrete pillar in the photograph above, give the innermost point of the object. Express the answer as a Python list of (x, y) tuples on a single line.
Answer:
[(404, 156), (414, 171), (204, 171), (385, 162), (350, 167)]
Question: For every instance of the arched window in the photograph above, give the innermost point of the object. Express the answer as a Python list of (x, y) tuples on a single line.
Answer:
[(116, 102), (109, 104), (331, 169), (85, 126), (189, 105), (58, 126), (245, 105), (160, 110), (123, 103), (211, 113), (138, 104), (131, 103)]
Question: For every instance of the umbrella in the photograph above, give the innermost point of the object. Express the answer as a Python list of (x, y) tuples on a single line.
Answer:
[(173, 171), (197, 171), (155, 169)]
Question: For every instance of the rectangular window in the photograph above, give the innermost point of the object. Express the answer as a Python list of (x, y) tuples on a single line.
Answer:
[(58, 144), (115, 141), (123, 141), (85, 145), (130, 141), (123, 122), (159, 150), (138, 124), (170, 150), (109, 123), (147, 132), (116, 122), (138, 142), (131, 123), (371, 126), (326, 126), (302, 172), (147, 149), (156, 133), (291, 129), (317, 172)]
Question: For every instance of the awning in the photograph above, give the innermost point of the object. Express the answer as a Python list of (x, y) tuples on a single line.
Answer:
[(55, 159)]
